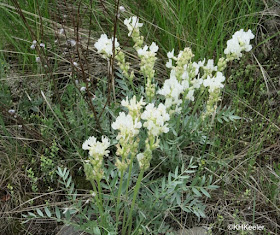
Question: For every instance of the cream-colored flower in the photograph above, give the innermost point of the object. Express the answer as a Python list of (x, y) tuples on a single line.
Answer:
[(104, 46), (127, 127), (155, 119), (133, 106), (97, 148)]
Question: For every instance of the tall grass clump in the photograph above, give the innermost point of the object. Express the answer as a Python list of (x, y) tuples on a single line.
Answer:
[(193, 23)]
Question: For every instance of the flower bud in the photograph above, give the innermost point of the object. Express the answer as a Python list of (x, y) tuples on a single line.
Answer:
[(121, 9)]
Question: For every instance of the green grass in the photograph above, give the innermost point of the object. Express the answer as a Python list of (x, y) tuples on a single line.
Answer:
[(202, 25), (18, 45)]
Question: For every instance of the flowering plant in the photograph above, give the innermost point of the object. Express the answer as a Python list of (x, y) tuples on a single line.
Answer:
[(150, 122), (152, 116)]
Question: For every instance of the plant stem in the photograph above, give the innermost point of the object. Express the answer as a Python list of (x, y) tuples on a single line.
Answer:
[(127, 185), (136, 190), (100, 194), (98, 199), (118, 198), (132, 85)]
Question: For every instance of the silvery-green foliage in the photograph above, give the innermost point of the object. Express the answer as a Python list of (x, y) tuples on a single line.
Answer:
[(226, 114), (181, 190), (77, 213)]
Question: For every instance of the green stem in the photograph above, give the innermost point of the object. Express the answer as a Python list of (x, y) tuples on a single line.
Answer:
[(119, 197), (127, 186), (99, 202), (136, 190), (132, 85), (100, 193), (129, 174)]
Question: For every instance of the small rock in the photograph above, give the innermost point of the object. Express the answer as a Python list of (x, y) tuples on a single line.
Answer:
[(193, 231), (69, 230)]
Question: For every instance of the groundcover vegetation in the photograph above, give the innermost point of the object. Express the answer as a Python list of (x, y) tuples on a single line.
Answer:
[(139, 117)]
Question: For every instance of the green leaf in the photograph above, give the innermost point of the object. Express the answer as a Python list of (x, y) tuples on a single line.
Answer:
[(203, 180), (212, 186), (225, 118), (178, 199), (75, 195), (96, 231), (48, 213), (39, 212), (57, 213), (66, 175), (59, 172), (196, 192), (185, 209), (176, 172), (64, 172), (205, 192), (194, 181), (201, 213), (163, 184), (67, 214), (68, 182), (32, 214), (71, 188)]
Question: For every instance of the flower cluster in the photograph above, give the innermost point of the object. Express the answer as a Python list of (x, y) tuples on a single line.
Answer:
[(155, 122), (172, 89), (185, 77), (97, 150), (128, 126), (209, 68), (147, 54), (155, 119), (124, 66), (133, 26), (239, 42), (133, 106), (182, 82), (104, 46), (214, 82), (148, 59)]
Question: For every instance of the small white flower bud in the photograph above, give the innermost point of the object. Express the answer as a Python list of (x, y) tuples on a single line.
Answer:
[(121, 9), (42, 45), (93, 98), (32, 47), (75, 64), (38, 60), (34, 42), (12, 111), (83, 89), (61, 31), (72, 42)]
